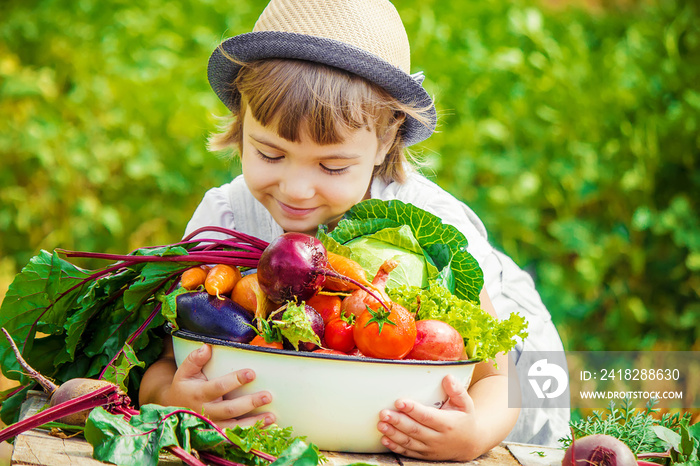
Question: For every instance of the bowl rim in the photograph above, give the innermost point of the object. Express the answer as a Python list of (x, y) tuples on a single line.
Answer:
[(192, 336)]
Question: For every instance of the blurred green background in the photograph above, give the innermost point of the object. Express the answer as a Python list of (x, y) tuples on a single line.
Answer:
[(572, 130)]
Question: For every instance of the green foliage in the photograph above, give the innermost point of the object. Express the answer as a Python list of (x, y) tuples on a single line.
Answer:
[(574, 135)]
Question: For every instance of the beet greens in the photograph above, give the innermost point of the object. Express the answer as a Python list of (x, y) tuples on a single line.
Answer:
[(101, 323), (122, 435)]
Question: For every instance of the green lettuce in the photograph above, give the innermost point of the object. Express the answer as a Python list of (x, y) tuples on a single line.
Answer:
[(427, 250), (484, 335)]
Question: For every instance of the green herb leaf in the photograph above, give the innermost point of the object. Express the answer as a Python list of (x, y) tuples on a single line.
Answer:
[(298, 454), (295, 326), (118, 372), (169, 309), (670, 438), (640, 430), (688, 445)]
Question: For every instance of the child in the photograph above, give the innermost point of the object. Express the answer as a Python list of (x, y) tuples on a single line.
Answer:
[(323, 107)]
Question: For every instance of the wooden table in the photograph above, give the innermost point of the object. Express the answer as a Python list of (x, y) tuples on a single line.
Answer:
[(38, 447)]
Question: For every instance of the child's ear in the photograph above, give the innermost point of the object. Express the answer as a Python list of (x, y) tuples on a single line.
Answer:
[(385, 144)]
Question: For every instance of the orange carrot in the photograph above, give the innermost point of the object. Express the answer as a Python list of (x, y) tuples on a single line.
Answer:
[(347, 267), (221, 279), (259, 340), (194, 277), (245, 292)]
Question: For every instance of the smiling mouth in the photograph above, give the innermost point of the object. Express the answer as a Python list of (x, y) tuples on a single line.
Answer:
[(294, 211)]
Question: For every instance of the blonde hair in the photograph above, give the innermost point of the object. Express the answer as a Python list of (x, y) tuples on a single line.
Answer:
[(295, 95)]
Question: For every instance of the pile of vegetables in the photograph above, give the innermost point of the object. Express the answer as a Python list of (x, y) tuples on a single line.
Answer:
[(297, 293), (361, 300)]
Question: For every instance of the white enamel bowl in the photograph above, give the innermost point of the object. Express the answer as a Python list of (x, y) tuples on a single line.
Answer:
[(333, 400)]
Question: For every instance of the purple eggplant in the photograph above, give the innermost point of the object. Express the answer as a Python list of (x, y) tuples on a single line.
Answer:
[(209, 315)]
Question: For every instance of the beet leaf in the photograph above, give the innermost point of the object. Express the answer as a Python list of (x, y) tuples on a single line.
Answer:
[(139, 440)]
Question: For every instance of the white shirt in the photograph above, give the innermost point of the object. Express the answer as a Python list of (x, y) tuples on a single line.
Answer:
[(510, 288)]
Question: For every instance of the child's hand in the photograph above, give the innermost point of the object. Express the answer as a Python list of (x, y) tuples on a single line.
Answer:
[(191, 389), (419, 431)]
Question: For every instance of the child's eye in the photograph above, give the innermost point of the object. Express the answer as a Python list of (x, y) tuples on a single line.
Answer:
[(334, 171), (267, 158)]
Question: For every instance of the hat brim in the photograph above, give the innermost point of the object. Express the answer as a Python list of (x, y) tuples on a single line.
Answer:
[(273, 44)]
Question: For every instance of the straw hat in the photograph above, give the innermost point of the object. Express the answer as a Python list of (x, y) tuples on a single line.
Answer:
[(364, 37)]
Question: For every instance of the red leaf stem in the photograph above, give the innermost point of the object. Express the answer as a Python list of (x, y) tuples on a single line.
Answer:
[(213, 459), (207, 244), (103, 396), (233, 233), (210, 256), (187, 458)]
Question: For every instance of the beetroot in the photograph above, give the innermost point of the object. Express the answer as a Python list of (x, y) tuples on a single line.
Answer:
[(294, 267), (291, 267), (70, 403), (598, 450), (316, 324), (75, 388)]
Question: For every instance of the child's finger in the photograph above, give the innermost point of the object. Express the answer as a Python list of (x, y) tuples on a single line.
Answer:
[(240, 406), (220, 386), (401, 436), (458, 398), (411, 420), (420, 415), (192, 366)]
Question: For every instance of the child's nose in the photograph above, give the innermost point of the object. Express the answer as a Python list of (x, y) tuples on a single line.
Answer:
[(297, 185)]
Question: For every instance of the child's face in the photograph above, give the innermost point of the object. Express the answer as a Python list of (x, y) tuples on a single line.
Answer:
[(304, 184)]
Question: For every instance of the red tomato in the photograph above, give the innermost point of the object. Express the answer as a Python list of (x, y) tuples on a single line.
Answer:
[(339, 335), (385, 335), (326, 305), (259, 340)]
